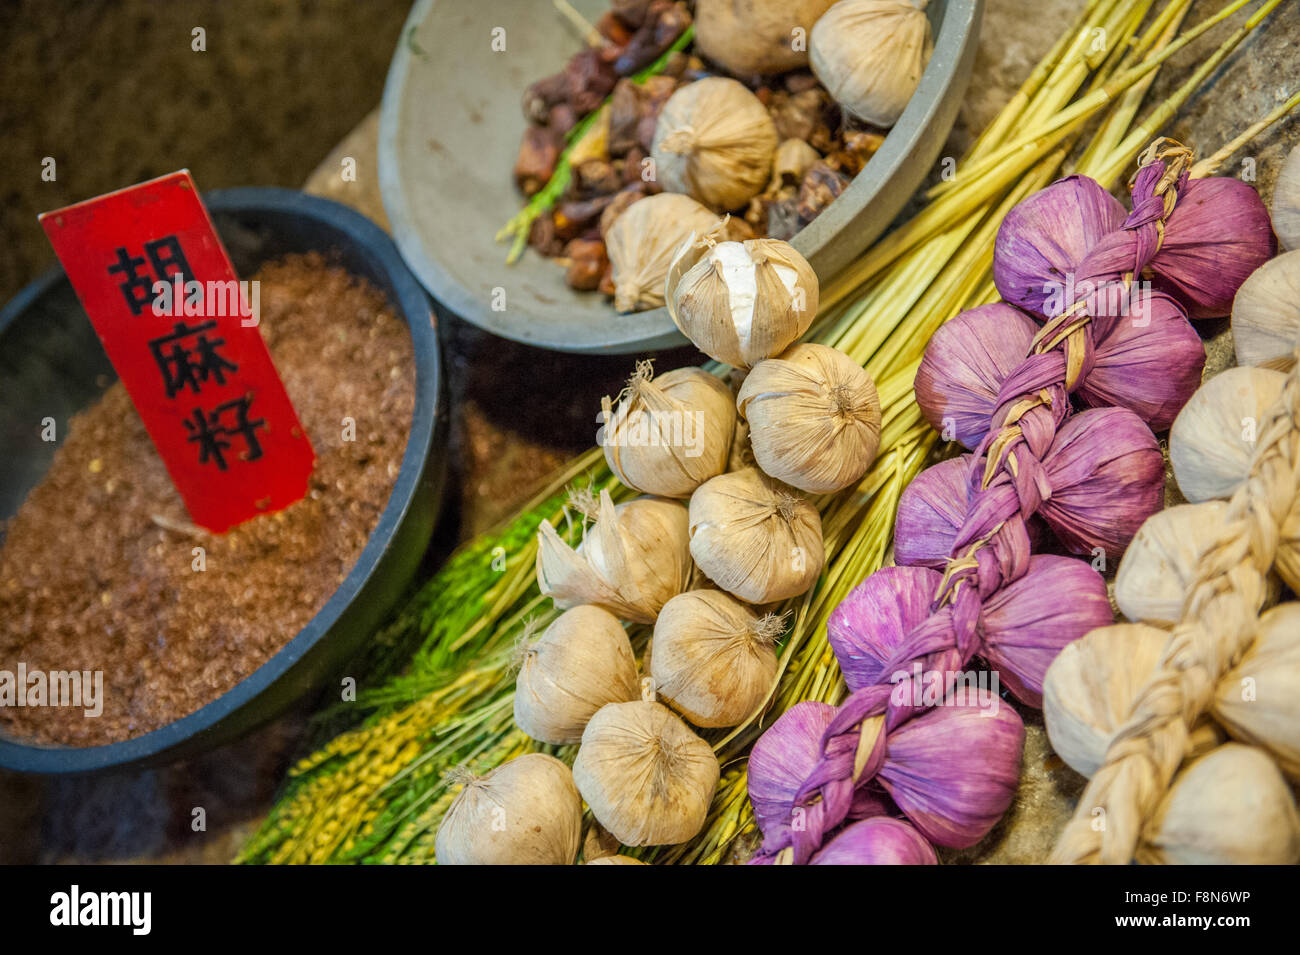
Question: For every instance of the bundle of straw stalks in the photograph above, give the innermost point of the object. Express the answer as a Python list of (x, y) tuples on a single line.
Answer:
[(375, 792)]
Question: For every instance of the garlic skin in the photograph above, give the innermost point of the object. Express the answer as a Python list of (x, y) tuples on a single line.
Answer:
[(583, 661), (524, 812), (870, 55), (713, 659), (669, 434), (1213, 438), (714, 141), (755, 36), (1159, 566), (1230, 807), (1258, 700), (1266, 313), (741, 302), (756, 538), (814, 418), (742, 452), (1287, 562), (647, 778), (631, 561), (1090, 687), (642, 242), (1285, 211)]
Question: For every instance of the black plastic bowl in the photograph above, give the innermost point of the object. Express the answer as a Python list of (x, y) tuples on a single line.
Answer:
[(52, 365)]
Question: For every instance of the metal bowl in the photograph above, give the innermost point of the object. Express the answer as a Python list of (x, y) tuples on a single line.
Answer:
[(449, 131), (51, 364)]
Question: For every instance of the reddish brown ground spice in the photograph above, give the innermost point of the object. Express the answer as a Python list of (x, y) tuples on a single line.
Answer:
[(96, 567)]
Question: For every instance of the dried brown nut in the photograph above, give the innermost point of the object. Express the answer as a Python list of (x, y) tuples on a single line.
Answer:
[(539, 151), (821, 186), (613, 29), (859, 146), (562, 118), (571, 218), (663, 24), (597, 177), (798, 115), (542, 237), (587, 262), (590, 78), (631, 12), (624, 115), (542, 95), (822, 139), (677, 64), (606, 286)]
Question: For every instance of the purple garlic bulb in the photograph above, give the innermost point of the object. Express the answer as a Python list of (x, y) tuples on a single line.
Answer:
[(931, 511), (870, 623), (1107, 476), (876, 841), (1044, 239), (954, 770), (965, 364), (1218, 233), (1024, 625), (782, 760), (1147, 358)]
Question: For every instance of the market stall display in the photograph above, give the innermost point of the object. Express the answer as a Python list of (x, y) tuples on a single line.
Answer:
[(831, 763)]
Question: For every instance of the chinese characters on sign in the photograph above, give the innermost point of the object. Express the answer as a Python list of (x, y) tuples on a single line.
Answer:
[(163, 297), (164, 255)]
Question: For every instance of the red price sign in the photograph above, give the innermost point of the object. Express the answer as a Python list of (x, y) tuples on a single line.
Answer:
[(181, 330)]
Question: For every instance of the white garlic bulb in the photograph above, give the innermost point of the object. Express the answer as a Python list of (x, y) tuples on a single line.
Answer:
[(524, 812), (669, 434), (1160, 565), (1285, 211), (713, 658), (631, 561), (756, 36), (647, 778), (741, 302), (755, 537), (1090, 687), (1213, 438), (870, 54), (1266, 313), (583, 661), (642, 242), (1258, 701), (1230, 807), (714, 142), (814, 418)]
